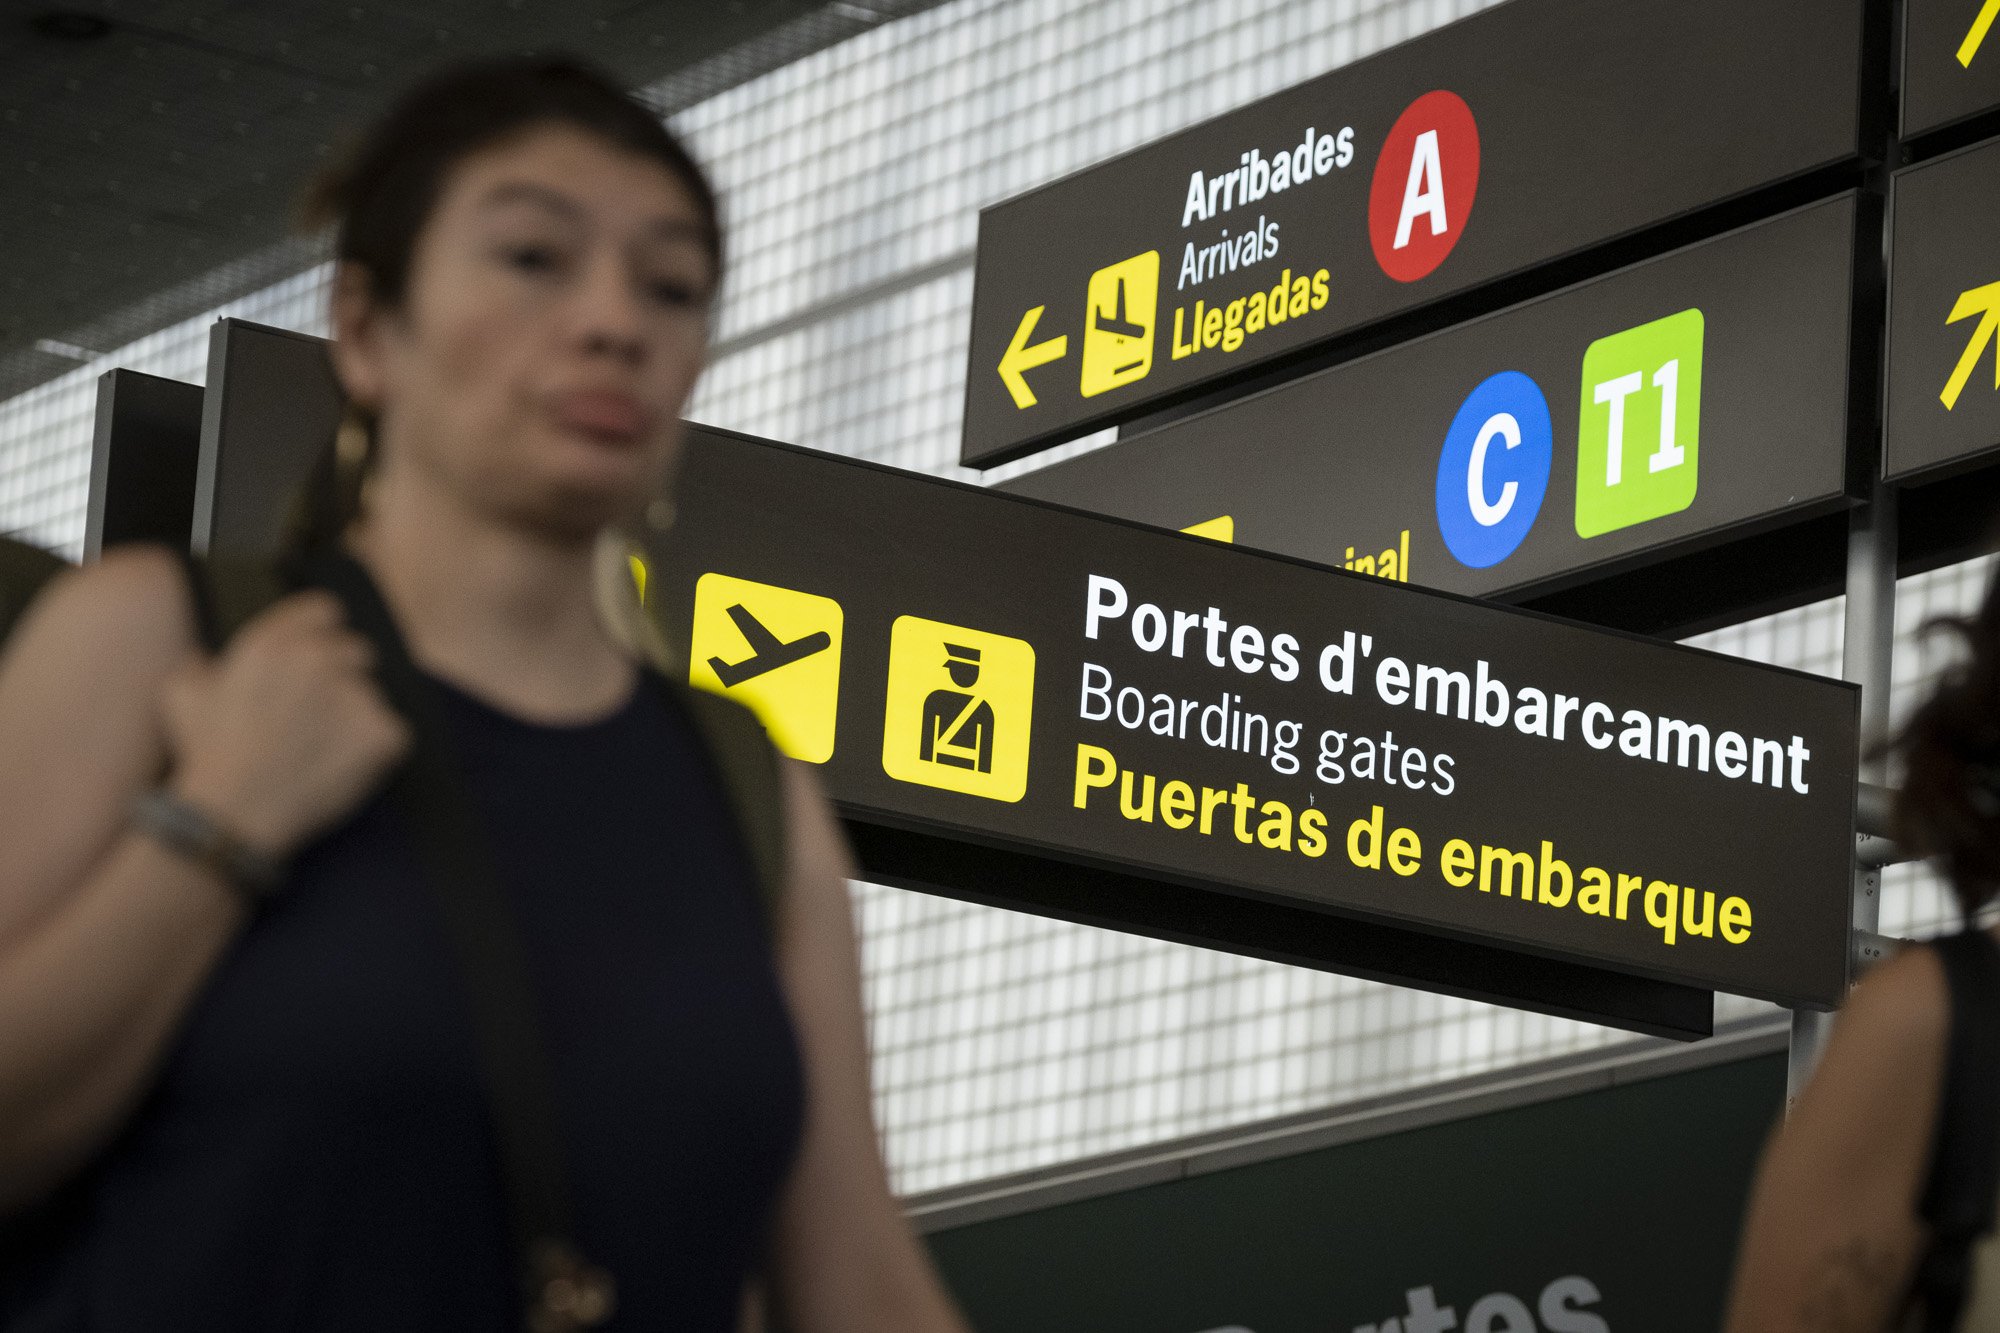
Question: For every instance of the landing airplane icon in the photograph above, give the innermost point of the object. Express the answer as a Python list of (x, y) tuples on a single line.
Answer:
[(766, 652), (1117, 324)]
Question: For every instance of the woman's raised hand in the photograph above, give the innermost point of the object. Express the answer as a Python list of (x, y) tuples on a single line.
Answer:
[(286, 732)]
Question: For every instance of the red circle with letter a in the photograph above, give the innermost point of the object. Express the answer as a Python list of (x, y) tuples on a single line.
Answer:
[(1424, 185)]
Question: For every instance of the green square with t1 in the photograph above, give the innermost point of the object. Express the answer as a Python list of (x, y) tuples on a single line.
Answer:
[(1639, 428)]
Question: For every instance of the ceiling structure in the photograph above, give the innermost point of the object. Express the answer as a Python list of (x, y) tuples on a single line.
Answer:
[(151, 150)]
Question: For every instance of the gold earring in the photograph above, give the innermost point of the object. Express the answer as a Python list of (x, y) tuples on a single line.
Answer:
[(353, 450), (350, 442)]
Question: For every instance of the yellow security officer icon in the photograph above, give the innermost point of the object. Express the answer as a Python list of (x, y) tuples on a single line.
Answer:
[(775, 649), (960, 709), (1123, 302)]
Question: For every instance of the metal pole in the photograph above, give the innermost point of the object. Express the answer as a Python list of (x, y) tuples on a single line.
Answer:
[(1868, 642)]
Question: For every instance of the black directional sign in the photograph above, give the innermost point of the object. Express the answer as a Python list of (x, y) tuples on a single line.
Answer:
[(1944, 313), (271, 407), (1951, 61), (1529, 132), (1181, 727), (143, 461), (1088, 718), (1673, 400)]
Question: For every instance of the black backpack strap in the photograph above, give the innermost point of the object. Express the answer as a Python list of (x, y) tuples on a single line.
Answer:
[(561, 1291), (1964, 1178), (747, 762)]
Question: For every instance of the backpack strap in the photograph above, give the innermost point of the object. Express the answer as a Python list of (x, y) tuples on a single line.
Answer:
[(747, 762), (227, 593), (230, 591), (561, 1290), (1960, 1189), (24, 570)]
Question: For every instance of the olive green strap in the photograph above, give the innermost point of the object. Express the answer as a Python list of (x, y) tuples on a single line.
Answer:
[(227, 594), (24, 569), (748, 764), (238, 590)]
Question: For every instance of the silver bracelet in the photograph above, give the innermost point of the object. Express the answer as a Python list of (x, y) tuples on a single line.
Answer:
[(185, 829)]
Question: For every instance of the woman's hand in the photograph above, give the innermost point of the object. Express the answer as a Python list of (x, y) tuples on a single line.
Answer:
[(286, 732)]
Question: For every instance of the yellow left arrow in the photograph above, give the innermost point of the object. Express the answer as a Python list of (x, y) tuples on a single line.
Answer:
[(1021, 358), (1980, 300)]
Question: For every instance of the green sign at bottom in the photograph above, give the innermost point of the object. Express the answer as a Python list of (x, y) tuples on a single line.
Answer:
[(1610, 1210)]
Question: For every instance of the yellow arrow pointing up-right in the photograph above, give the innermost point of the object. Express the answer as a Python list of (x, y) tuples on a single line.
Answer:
[(1982, 25), (1980, 300), (1021, 358)]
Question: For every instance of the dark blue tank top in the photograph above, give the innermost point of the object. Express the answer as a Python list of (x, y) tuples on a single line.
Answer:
[(316, 1153)]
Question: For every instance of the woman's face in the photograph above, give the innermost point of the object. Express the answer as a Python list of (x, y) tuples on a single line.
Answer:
[(553, 326)]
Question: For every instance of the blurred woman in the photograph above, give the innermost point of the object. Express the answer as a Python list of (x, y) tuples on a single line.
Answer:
[(229, 1109), (1873, 1207)]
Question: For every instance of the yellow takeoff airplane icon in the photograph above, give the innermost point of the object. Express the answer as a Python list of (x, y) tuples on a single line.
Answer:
[(767, 651), (775, 649)]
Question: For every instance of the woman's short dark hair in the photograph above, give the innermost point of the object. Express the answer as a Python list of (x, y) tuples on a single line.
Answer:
[(382, 194), (1949, 803)]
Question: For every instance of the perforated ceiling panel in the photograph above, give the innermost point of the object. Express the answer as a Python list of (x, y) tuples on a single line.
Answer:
[(151, 152)]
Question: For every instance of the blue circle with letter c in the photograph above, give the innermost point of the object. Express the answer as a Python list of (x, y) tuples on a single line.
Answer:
[(1494, 470)]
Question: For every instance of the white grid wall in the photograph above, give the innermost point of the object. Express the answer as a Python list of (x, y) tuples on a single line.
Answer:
[(851, 181), (45, 433)]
